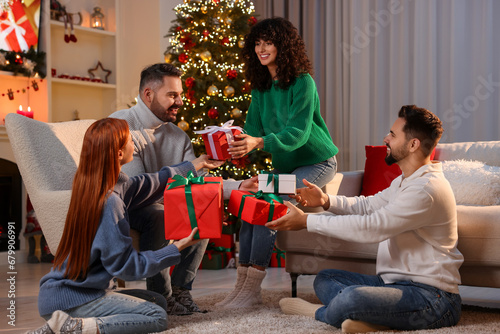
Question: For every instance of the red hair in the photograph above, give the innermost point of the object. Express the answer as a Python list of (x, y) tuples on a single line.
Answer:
[(94, 180)]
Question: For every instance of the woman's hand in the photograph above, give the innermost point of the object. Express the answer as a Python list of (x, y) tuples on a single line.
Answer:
[(245, 144), (187, 241), (203, 161), (312, 196)]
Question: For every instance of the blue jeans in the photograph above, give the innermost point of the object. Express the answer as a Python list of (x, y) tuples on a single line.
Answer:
[(150, 222), (404, 305), (127, 311), (257, 241)]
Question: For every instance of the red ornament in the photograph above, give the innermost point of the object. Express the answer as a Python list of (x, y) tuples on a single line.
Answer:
[(190, 96), (252, 20), (206, 33), (190, 82), (187, 40), (224, 41), (213, 113), (183, 58), (178, 28), (241, 162), (231, 74), (246, 87)]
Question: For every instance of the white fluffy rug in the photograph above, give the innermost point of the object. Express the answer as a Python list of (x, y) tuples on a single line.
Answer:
[(267, 318)]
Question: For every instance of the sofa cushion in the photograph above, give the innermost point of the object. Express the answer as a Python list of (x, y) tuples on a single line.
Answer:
[(473, 182), (378, 175)]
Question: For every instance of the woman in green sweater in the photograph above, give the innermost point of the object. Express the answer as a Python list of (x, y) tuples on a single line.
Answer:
[(283, 119)]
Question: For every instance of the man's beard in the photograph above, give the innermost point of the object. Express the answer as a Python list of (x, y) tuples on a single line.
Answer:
[(161, 112), (394, 157)]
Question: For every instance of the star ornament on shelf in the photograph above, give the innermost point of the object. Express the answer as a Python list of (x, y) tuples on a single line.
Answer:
[(99, 64)]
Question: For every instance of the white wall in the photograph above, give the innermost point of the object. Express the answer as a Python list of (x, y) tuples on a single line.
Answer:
[(141, 29)]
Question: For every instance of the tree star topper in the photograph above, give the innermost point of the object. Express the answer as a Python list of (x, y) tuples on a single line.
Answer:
[(99, 64)]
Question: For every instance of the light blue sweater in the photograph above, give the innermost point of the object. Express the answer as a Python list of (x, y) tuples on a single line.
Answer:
[(112, 254)]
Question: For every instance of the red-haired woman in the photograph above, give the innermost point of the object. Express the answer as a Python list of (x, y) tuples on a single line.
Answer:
[(96, 243)]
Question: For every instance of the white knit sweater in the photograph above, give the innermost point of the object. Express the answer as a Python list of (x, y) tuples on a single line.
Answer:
[(414, 221), (158, 144)]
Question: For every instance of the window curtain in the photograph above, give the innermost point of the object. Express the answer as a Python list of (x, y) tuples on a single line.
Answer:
[(372, 56)]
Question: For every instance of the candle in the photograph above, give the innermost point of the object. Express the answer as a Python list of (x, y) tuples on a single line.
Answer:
[(29, 113), (20, 111)]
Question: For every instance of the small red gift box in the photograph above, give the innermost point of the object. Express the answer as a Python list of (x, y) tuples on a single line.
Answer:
[(256, 208), (193, 202), (224, 244), (278, 258), (214, 260), (217, 139)]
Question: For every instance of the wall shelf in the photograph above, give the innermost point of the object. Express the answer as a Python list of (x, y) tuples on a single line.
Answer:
[(83, 83)]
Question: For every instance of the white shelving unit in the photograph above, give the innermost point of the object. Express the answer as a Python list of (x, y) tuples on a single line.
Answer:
[(92, 100)]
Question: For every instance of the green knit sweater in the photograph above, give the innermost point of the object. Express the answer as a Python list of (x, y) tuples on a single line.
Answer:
[(291, 125)]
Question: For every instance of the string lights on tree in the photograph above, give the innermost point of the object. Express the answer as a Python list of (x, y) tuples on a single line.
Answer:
[(205, 43)]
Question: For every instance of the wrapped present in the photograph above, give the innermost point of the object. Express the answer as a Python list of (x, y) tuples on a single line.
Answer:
[(213, 260), (193, 202), (277, 183), (224, 244), (16, 31), (278, 258), (256, 208), (217, 139)]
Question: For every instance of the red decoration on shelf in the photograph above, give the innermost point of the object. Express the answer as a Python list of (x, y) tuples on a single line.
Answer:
[(231, 74), (213, 113), (92, 70)]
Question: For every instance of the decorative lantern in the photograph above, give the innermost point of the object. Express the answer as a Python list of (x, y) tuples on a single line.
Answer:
[(97, 19)]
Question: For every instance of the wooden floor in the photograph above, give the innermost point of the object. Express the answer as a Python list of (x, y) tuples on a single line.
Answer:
[(207, 282)]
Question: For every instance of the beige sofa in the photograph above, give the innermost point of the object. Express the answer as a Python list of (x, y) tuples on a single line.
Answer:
[(478, 229)]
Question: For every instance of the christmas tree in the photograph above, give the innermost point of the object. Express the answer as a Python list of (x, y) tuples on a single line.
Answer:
[(205, 43)]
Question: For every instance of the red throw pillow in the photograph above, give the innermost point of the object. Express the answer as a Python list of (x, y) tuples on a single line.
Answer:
[(378, 175)]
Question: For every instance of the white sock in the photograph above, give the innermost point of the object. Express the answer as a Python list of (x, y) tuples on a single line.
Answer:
[(299, 306)]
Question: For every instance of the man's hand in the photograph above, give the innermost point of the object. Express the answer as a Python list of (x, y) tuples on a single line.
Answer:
[(295, 220), (251, 184), (187, 241), (311, 196), (239, 148), (203, 161)]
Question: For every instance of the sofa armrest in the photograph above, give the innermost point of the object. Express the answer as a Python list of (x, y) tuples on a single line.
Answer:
[(346, 184)]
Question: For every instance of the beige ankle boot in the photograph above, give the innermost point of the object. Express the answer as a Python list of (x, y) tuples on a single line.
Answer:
[(249, 294), (240, 279)]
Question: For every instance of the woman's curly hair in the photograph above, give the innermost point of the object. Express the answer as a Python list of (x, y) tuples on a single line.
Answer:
[(291, 59)]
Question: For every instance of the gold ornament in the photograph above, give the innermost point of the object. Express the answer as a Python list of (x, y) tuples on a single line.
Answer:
[(204, 9), (241, 44), (206, 55), (236, 113), (212, 90), (183, 125), (168, 57), (229, 91), (228, 21)]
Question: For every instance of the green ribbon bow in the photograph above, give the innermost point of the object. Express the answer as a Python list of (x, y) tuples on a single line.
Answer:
[(279, 255), (211, 247), (276, 178), (269, 198), (180, 181)]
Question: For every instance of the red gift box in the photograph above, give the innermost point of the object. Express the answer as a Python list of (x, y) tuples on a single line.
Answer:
[(224, 244), (278, 258), (217, 139), (256, 208), (19, 34), (214, 260), (193, 202)]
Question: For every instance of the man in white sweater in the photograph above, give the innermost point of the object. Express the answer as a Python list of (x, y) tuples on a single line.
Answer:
[(414, 221), (158, 142)]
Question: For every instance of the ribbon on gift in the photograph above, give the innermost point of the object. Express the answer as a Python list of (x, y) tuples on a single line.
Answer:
[(19, 32), (269, 198), (180, 181), (273, 177), (211, 247), (279, 255), (227, 128)]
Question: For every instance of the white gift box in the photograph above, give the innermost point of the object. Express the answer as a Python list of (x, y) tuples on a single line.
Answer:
[(286, 183)]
